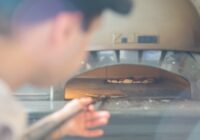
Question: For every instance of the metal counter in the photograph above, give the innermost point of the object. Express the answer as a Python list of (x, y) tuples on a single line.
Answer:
[(139, 120)]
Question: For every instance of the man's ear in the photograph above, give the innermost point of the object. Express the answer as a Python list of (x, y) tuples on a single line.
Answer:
[(63, 25)]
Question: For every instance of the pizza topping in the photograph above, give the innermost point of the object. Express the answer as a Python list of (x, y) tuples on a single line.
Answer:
[(137, 80)]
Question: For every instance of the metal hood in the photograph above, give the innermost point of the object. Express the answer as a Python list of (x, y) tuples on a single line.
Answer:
[(153, 24)]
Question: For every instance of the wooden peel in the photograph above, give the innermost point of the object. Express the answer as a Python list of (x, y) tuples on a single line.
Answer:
[(102, 100), (93, 93), (44, 129)]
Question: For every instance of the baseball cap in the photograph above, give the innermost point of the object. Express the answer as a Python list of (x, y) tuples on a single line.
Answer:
[(119, 6), (26, 12)]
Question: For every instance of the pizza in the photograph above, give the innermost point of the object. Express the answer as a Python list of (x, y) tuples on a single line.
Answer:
[(133, 80)]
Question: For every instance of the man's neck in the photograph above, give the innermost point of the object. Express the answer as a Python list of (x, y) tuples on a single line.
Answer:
[(15, 65)]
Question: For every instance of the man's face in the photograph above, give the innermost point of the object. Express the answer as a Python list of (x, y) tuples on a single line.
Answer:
[(57, 47)]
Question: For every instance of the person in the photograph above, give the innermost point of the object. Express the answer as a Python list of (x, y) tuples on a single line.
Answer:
[(43, 42)]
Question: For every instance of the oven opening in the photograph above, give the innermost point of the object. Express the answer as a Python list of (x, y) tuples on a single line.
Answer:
[(128, 81)]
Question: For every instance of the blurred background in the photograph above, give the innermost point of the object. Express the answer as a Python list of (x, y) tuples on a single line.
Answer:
[(148, 64)]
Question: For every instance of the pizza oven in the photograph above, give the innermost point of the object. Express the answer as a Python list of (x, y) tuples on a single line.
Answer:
[(151, 53), (133, 75), (137, 75), (151, 94), (145, 70)]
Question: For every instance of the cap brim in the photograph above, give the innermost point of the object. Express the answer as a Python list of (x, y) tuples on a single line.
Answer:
[(120, 6)]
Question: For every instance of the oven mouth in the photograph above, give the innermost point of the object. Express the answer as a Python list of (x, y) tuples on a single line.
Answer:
[(128, 81)]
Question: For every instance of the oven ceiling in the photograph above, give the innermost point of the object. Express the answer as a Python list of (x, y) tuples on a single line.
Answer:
[(153, 24)]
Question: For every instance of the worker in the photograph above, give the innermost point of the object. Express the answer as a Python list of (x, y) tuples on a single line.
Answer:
[(42, 42)]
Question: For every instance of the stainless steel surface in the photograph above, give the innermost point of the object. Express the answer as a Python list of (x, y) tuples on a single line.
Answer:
[(151, 58), (129, 57), (45, 107), (149, 107), (173, 61), (106, 56), (142, 119), (30, 93)]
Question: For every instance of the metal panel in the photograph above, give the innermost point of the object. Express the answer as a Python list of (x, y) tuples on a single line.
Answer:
[(151, 58), (129, 57)]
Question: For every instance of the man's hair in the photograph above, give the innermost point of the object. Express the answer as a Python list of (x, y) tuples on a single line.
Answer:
[(26, 12)]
